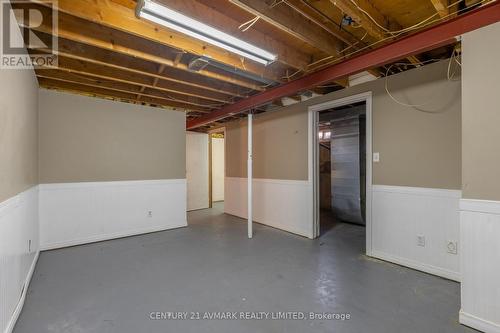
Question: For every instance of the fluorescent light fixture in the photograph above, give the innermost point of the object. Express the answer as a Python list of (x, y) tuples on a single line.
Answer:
[(152, 11)]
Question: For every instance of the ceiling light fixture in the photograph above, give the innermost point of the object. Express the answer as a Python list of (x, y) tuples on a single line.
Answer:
[(157, 13)]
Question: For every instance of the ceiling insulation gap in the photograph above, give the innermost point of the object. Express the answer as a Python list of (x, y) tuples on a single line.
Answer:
[(361, 78)]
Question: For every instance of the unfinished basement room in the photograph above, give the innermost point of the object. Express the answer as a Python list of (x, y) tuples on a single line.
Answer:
[(243, 166)]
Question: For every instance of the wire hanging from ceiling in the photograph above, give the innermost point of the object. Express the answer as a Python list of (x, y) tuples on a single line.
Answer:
[(412, 27), (247, 25), (336, 60), (450, 77)]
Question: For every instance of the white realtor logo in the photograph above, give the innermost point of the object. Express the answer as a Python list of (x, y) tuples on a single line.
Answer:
[(20, 32)]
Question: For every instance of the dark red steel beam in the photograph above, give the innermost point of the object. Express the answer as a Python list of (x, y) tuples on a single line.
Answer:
[(425, 40)]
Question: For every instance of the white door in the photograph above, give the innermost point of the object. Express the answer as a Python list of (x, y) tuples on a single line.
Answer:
[(197, 171)]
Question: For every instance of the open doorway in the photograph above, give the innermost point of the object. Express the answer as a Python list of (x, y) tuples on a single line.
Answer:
[(217, 168), (340, 165)]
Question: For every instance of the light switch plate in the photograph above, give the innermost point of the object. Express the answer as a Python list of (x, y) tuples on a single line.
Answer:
[(376, 157)]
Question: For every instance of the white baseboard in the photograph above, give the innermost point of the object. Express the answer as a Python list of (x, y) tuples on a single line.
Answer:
[(106, 237), (478, 323), (79, 213), (281, 204), (400, 214), (451, 275), (20, 305), (480, 234)]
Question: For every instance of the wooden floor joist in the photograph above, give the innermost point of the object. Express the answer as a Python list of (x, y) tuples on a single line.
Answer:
[(109, 94), (112, 15), (177, 77), (102, 72), (366, 17), (121, 87), (110, 40), (287, 19), (431, 38), (197, 10), (174, 86)]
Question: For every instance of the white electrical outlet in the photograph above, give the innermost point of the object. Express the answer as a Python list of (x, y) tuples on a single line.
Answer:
[(150, 214), (421, 240), (452, 247), (376, 157)]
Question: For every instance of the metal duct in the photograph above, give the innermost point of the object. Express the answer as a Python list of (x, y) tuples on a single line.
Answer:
[(347, 171)]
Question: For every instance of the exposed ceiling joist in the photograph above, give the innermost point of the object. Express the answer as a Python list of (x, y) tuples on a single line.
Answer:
[(290, 21), (178, 80), (441, 7), (312, 13), (115, 16), (70, 28), (172, 87), (350, 9), (361, 11), (90, 81), (425, 40), (286, 54), (101, 72), (104, 93)]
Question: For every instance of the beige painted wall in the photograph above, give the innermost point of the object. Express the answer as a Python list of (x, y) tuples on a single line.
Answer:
[(18, 131), (280, 145), (85, 139), (481, 114), (417, 148)]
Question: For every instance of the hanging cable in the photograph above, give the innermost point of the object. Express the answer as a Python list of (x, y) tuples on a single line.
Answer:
[(415, 26), (276, 2), (247, 25), (336, 60), (450, 77), (453, 59)]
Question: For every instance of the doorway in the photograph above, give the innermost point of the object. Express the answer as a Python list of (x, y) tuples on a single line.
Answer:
[(340, 164), (217, 168)]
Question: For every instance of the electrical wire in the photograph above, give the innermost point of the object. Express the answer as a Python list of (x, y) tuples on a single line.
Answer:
[(421, 24), (212, 106), (454, 58), (413, 27), (247, 25), (275, 3), (336, 60), (450, 77), (288, 77), (353, 45)]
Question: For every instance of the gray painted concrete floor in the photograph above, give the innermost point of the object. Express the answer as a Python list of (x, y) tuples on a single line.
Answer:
[(113, 286)]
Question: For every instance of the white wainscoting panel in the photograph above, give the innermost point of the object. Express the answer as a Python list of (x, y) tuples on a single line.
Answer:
[(402, 214), (79, 213), (282, 204), (480, 261), (18, 253)]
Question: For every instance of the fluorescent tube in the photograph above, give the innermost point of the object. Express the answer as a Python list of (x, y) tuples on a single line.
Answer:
[(169, 18)]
